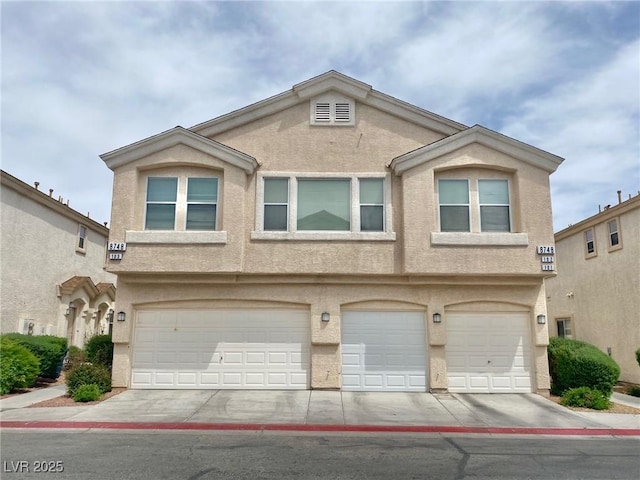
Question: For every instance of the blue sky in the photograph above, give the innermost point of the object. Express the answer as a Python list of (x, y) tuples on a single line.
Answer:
[(83, 78)]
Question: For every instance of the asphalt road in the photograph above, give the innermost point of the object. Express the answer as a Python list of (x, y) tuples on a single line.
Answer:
[(92, 455)]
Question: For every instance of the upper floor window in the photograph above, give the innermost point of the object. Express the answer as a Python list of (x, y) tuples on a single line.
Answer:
[(192, 199), (306, 206), (81, 245), (614, 233), (590, 242), (457, 198), (332, 109)]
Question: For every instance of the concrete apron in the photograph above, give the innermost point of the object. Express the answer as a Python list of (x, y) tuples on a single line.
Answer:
[(324, 408)]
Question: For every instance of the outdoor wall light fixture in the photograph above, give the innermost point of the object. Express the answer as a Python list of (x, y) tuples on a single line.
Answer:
[(325, 317), (121, 316), (542, 319), (437, 318), (70, 308), (110, 316)]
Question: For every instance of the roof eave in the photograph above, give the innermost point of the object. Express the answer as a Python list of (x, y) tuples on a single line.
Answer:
[(483, 136), (179, 136)]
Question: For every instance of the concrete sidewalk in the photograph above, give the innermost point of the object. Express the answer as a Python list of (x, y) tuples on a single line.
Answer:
[(312, 409)]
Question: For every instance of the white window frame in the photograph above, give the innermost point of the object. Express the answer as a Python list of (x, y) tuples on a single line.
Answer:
[(586, 242), (480, 205), (187, 202), (332, 115), (468, 205), (175, 204), (81, 240), (294, 234), (179, 235), (475, 237), (618, 245), (566, 321)]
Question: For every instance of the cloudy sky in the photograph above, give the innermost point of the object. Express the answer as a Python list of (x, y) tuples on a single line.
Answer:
[(83, 78)]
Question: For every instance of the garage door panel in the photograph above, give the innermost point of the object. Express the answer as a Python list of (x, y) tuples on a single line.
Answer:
[(497, 359), (222, 349), (383, 351)]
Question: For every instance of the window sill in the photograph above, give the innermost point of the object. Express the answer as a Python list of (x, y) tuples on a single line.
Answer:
[(174, 237), (325, 236), (480, 239)]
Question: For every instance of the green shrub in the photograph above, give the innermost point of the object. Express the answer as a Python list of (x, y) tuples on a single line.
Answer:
[(575, 364), (585, 397), (87, 393), (638, 356), (50, 351), (19, 367), (86, 374), (99, 350), (75, 356), (634, 391)]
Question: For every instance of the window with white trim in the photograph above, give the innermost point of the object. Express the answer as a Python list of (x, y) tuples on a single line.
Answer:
[(276, 204), (81, 245), (454, 205), (332, 109), (614, 234), (318, 206), (590, 242), (459, 198), (181, 203), (564, 327)]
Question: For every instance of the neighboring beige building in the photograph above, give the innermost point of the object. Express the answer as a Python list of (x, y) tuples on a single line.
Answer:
[(53, 280), (596, 295), (331, 237)]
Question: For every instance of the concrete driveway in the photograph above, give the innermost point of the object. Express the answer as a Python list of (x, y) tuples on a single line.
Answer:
[(314, 407)]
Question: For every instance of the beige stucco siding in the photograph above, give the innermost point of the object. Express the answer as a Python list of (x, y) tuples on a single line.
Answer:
[(286, 142), (39, 252), (333, 297), (599, 294), (530, 215)]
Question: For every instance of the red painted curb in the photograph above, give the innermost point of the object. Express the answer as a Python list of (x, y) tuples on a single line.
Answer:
[(325, 428)]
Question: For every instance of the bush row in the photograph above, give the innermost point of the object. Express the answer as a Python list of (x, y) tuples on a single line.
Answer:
[(574, 364), (48, 349), (19, 367)]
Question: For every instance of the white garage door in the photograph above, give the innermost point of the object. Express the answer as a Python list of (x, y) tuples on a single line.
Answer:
[(249, 349), (488, 353), (383, 351)]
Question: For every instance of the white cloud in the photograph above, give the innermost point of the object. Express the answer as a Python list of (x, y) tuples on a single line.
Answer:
[(83, 78), (593, 122)]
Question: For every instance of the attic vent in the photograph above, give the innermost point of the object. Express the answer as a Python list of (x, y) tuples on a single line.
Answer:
[(332, 109), (343, 112), (323, 112)]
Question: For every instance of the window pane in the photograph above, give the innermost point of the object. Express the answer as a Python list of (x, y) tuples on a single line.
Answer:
[(202, 190), (613, 226), (275, 217), (589, 235), (453, 192), (493, 192), (494, 219), (162, 189), (454, 219), (201, 216), (276, 190), (614, 239), (324, 205), (372, 218), (371, 190), (160, 217)]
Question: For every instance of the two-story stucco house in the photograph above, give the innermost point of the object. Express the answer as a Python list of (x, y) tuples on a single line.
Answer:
[(595, 296), (53, 280), (331, 237)]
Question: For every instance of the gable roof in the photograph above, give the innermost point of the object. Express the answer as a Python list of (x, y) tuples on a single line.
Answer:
[(179, 136), (480, 135), (329, 81)]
